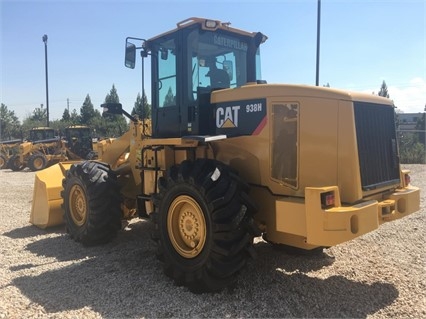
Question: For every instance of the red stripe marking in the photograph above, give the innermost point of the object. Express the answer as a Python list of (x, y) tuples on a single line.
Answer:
[(260, 127)]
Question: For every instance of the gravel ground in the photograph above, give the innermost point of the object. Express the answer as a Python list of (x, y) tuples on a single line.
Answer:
[(44, 274)]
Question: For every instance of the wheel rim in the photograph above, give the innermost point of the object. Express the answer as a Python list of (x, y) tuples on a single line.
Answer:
[(186, 226), (38, 163), (78, 205)]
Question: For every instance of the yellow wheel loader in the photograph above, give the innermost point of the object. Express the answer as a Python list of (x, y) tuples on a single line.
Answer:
[(43, 148), (230, 157)]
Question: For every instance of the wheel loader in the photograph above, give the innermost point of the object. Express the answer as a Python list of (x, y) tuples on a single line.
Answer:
[(43, 148), (229, 157), (7, 150)]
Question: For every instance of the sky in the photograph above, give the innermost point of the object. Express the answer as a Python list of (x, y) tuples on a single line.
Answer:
[(362, 44)]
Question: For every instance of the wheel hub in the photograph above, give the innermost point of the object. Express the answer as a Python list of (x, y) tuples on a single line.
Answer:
[(38, 163), (78, 205), (186, 226)]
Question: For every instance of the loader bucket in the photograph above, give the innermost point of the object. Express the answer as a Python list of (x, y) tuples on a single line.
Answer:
[(46, 208)]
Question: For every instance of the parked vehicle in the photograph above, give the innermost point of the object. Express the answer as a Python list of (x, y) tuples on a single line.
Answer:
[(231, 157)]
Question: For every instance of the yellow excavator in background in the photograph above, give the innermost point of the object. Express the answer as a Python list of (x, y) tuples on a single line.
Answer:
[(230, 157)]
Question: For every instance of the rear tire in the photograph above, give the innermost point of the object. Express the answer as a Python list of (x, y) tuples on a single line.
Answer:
[(15, 164), (203, 225), (91, 206), (37, 162)]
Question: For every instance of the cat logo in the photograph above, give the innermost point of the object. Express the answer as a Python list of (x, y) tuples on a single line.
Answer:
[(227, 117)]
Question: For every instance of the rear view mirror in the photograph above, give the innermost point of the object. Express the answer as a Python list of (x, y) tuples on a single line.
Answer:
[(112, 108), (130, 55)]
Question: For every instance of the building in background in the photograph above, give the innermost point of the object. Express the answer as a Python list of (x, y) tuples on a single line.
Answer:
[(408, 121)]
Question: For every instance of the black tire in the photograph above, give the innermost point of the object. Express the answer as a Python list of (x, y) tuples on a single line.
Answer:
[(91, 203), (203, 225), (3, 161), (15, 164), (37, 161)]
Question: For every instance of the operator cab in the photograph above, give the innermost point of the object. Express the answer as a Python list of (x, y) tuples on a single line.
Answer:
[(41, 134), (190, 62), (79, 139)]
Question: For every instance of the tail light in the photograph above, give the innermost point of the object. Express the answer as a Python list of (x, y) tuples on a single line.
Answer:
[(327, 200), (407, 179)]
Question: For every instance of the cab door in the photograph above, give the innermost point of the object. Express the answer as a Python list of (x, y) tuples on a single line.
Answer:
[(165, 88)]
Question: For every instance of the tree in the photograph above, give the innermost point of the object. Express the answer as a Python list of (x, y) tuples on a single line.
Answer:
[(66, 116), (38, 118), (9, 124), (412, 143), (88, 112), (170, 98), (420, 126), (142, 109), (39, 115), (111, 125), (384, 90), (59, 126), (112, 96), (410, 149)]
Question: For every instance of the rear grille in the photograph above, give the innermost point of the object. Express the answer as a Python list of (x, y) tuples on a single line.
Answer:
[(377, 146)]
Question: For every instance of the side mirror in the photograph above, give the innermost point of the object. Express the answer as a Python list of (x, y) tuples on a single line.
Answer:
[(130, 55), (229, 68), (116, 108), (112, 108)]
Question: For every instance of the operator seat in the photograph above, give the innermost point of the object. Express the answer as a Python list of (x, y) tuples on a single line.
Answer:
[(219, 79)]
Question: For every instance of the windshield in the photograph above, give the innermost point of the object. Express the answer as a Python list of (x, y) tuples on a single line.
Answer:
[(218, 60), (41, 134)]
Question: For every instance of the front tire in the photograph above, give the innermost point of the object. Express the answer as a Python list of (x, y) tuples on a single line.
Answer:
[(203, 225), (37, 162), (15, 164), (91, 203)]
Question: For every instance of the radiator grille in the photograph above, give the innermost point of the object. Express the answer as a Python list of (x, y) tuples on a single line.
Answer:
[(377, 145)]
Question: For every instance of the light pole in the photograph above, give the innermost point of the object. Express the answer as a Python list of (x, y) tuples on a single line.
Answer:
[(318, 41), (47, 85)]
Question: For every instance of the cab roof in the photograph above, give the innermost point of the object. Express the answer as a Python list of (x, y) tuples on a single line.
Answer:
[(207, 24)]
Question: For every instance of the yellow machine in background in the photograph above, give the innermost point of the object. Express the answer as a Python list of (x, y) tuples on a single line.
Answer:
[(43, 148), (7, 150), (46, 208), (230, 157)]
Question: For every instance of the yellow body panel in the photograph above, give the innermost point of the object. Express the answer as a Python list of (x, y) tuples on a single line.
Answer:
[(327, 153), (307, 225)]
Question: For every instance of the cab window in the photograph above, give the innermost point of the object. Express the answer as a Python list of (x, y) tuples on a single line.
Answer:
[(219, 54), (167, 74)]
